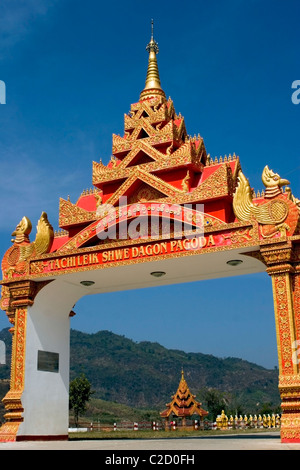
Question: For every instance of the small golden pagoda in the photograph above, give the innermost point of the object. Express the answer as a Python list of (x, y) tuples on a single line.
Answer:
[(183, 405)]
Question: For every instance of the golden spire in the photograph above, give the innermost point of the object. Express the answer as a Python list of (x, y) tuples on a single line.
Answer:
[(152, 86)]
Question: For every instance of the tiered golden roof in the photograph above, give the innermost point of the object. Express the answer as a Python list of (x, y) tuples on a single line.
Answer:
[(183, 403), (154, 160)]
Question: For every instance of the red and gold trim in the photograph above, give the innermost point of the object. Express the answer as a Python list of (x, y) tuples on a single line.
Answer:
[(283, 267)]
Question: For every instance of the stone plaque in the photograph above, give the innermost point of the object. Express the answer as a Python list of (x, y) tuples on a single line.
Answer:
[(48, 361)]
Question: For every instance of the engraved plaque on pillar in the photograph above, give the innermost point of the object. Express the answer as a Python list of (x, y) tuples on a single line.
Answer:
[(48, 361)]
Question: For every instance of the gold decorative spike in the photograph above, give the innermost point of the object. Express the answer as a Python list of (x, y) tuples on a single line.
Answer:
[(152, 86), (98, 197), (185, 182), (44, 235), (169, 150)]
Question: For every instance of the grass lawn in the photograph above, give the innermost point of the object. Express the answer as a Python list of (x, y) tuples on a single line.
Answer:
[(161, 434)]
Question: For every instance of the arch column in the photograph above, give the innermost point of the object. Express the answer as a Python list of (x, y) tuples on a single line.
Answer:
[(18, 296), (37, 403), (283, 265)]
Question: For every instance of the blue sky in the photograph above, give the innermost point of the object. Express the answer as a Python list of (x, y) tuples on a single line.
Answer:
[(71, 71)]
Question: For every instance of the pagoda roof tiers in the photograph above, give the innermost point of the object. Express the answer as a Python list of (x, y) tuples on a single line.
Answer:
[(154, 161), (183, 403)]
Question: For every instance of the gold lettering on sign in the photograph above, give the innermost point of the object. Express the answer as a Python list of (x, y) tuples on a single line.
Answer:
[(134, 252), (121, 254), (73, 261), (211, 241), (157, 249), (192, 244)]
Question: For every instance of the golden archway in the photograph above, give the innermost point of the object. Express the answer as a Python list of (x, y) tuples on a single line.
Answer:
[(217, 227)]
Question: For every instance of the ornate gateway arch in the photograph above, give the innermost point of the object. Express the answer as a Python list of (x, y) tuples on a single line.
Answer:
[(161, 212)]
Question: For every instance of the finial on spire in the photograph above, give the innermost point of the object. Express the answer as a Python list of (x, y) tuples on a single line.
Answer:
[(152, 86), (152, 44)]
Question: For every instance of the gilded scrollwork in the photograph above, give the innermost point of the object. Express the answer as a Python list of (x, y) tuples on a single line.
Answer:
[(70, 214), (241, 235)]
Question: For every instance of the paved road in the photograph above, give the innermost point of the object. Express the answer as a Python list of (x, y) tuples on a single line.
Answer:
[(267, 441)]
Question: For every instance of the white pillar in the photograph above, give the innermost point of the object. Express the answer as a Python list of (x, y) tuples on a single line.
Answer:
[(45, 398)]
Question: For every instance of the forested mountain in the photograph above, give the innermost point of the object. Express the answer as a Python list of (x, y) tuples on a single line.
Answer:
[(146, 375)]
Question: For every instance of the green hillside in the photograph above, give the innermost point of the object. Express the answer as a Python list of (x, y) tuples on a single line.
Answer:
[(145, 375)]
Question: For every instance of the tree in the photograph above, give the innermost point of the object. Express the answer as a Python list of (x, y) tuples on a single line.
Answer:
[(216, 401), (80, 393)]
